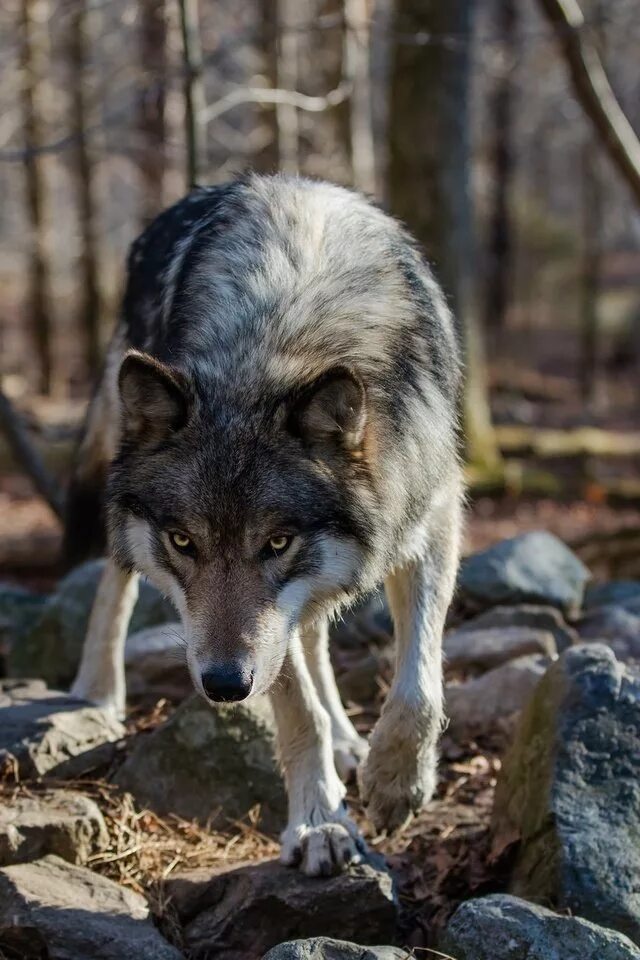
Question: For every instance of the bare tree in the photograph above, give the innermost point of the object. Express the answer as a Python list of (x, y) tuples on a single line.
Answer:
[(151, 118), (90, 309), (593, 90), (33, 63), (289, 23), (500, 244), (266, 158), (429, 175), (194, 98)]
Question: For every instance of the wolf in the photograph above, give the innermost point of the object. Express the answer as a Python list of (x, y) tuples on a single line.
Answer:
[(274, 435)]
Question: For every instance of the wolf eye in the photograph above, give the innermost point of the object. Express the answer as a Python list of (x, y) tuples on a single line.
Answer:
[(279, 545), (181, 541)]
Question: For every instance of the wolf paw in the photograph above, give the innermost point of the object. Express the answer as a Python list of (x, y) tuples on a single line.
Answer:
[(348, 754), (324, 849), (394, 787)]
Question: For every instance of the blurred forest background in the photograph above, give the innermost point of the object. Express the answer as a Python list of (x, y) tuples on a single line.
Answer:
[(501, 131)]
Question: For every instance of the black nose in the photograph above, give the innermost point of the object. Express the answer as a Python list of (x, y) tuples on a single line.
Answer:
[(227, 684)]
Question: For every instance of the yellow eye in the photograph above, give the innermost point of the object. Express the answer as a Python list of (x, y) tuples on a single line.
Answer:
[(181, 541), (279, 544)]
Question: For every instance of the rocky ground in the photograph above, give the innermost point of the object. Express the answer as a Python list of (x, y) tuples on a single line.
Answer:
[(159, 838)]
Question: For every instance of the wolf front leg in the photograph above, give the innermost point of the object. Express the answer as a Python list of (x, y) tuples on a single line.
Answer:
[(100, 678), (319, 837), (400, 774), (349, 748)]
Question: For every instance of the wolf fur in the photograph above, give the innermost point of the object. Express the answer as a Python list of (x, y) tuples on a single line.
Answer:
[(285, 364)]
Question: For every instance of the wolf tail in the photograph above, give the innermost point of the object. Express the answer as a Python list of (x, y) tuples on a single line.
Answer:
[(85, 533)]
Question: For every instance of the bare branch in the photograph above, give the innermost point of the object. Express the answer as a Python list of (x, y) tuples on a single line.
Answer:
[(593, 89), (277, 96)]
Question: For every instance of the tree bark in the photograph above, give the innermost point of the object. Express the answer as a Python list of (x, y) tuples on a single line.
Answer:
[(593, 89), (151, 118), (500, 246), (90, 309), (429, 177), (194, 97), (358, 69), (289, 23), (27, 455), (33, 64)]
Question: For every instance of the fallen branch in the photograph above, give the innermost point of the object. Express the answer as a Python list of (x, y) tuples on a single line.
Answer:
[(593, 90), (581, 441), (27, 455)]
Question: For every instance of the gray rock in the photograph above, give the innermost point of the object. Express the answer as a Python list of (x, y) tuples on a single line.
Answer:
[(207, 762), (569, 791), (526, 615), (155, 664), (492, 701), (368, 622), (322, 948), (481, 650), (619, 593), (18, 609), (619, 627), (532, 568), (241, 913), (51, 909), (47, 732), (360, 681), (62, 822), (501, 927), (51, 649)]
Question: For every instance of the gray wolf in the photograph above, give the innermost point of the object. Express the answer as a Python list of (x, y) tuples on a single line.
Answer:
[(274, 435)]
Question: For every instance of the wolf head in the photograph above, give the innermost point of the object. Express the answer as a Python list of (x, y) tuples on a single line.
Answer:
[(253, 514)]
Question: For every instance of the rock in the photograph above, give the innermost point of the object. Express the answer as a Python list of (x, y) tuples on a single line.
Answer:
[(47, 732), (501, 927), (569, 791), (491, 701), (209, 761), (322, 948), (51, 649), (18, 609), (360, 681), (51, 910), (480, 650), (532, 568), (242, 912), (617, 626), (526, 615), (56, 821), (618, 593), (155, 664)]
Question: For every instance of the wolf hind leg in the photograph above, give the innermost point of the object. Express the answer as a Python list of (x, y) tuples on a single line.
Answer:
[(400, 773), (349, 748), (100, 678)]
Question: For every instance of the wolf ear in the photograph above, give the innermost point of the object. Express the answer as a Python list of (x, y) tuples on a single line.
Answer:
[(332, 408), (153, 399)]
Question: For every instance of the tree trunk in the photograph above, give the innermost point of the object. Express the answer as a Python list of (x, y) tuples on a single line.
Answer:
[(357, 57), (151, 118), (33, 66), (90, 309), (500, 246), (266, 159), (289, 23), (194, 97), (429, 177)]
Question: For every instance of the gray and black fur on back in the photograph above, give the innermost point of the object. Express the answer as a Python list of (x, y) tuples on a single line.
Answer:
[(285, 359)]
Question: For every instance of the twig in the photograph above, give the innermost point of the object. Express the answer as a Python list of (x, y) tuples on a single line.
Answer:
[(276, 96)]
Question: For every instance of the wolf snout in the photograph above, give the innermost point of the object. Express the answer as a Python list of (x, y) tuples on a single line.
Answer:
[(228, 683)]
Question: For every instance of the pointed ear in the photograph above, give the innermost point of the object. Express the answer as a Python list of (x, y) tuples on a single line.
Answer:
[(154, 400), (332, 408)]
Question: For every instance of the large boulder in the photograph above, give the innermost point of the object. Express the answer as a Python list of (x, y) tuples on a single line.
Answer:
[(155, 664), (45, 732), (569, 793), (51, 649), (62, 822), (209, 762), (323, 948), (491, 702), (532, 568), (241, 913), (532, 615), (51, 910), (501, 927), (18, 609), (615, 625), (480, 650), (616, 593)]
